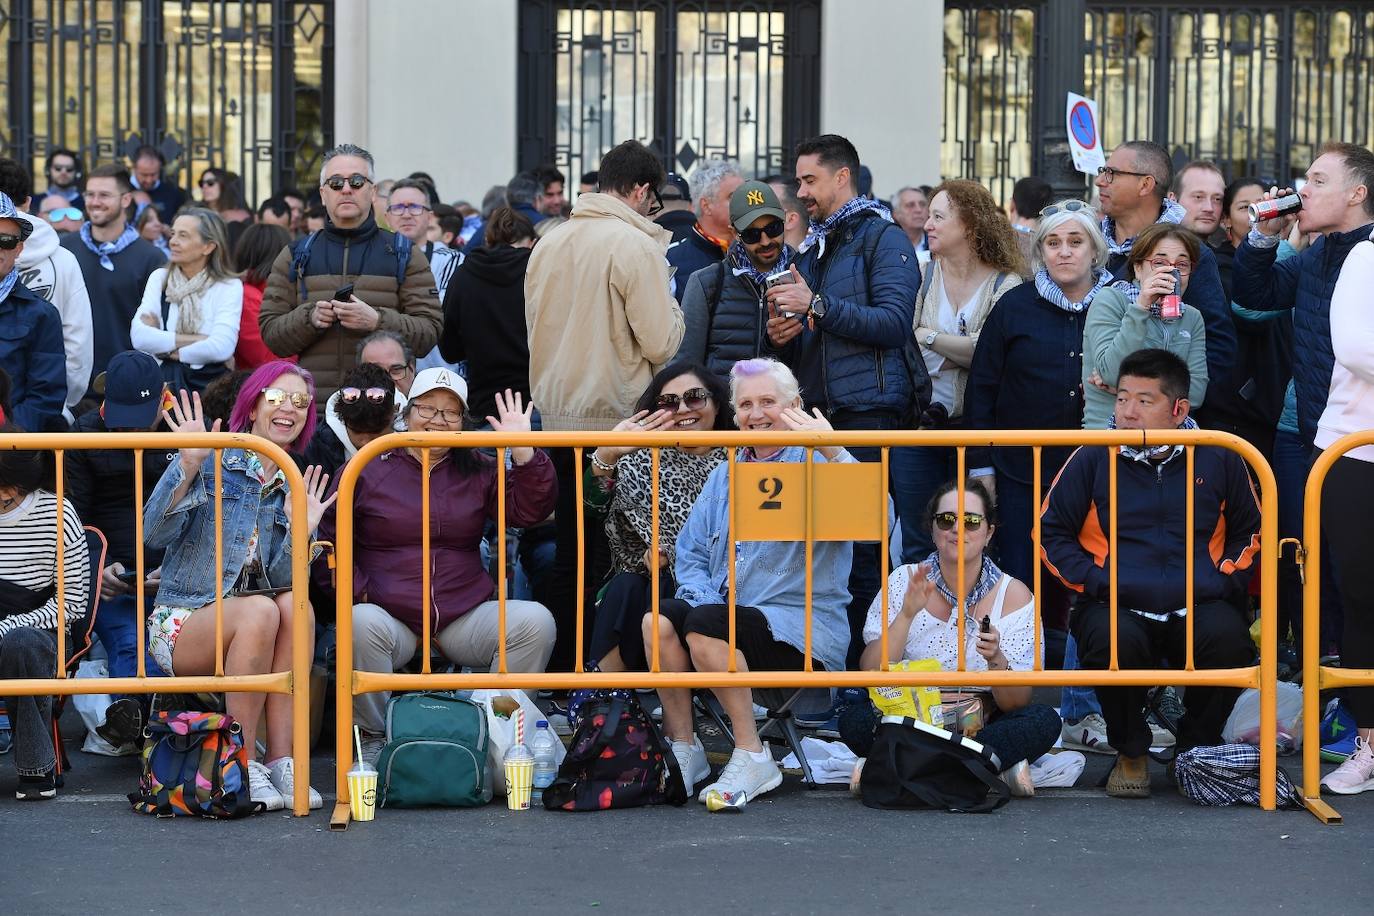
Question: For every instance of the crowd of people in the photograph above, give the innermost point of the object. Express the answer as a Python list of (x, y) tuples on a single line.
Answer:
[(659, 302)]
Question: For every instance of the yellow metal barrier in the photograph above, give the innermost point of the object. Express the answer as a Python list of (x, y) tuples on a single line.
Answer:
[(804, 502), (1316, 677), (295, 682)]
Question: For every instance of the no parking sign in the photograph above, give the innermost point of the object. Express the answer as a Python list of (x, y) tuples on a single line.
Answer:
[(1085, 139)]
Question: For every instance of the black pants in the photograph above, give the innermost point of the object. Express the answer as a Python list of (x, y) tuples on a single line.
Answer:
[(753, 639), (1347, 516), (1221, 639), (558, 592), (620, 615)]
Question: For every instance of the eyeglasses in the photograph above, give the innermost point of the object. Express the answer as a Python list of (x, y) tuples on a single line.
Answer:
[(351, 395), (208, 182), (656, 207), (354, 181), (409, 209), (57, 216), (694, 398), (1182, 265), (446, 414), (1109, 173), (1068, 206), (398, 371), (753, 235), (9, 242), (275, 397), (946, 521)]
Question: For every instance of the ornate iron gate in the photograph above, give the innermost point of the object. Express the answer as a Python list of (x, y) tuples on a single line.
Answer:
[(241, 84), (691, 79)]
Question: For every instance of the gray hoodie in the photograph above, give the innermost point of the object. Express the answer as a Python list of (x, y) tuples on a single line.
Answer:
[(52, 272)]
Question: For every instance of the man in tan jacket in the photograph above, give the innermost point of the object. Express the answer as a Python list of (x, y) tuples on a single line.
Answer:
[(601, 317)]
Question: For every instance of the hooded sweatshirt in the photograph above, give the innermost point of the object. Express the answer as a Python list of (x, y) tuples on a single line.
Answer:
[(484, 323), (51, 271)]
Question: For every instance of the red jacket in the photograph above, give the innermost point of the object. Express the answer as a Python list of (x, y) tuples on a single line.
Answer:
[(386, 531), (251, 351)]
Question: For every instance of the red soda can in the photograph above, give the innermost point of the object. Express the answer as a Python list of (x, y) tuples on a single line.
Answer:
[(1171, 306), (1273, 209)]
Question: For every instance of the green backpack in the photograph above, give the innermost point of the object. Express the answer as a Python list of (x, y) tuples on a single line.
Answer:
[(435, 753)]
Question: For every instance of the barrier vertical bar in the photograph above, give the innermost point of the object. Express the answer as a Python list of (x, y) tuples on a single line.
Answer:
[(731, 549), (501, 583), (1311, 639), (343, 639), (653, 554), (1111, 551), (885, 559), (218, 455), (810, 550), (61, 569), (1037, 661), (581, 556), (140, 588), (301, 633), (425, 562), (1269, 636), (960, 479), (1189, 545)]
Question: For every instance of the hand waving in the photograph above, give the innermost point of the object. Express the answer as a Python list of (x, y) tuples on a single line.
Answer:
[(796, 418), (187, 416), (513, 416), (316, 486)]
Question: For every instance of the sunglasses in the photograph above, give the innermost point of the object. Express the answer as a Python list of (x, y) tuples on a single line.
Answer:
[(694, 398), (57, 216), (752, 236), (1069, 206), (208, 182), (9, 242), (946, 521), (351, 395), (275, 397), (61, 168), (354, 181)]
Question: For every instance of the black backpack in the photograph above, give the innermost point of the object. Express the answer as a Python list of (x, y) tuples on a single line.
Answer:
[(915, 765), (618, 759)]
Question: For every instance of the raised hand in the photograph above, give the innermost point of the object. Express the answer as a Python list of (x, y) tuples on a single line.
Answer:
[(919, 590), (796, 418), (187, 416), (316, 486), (511, 415)]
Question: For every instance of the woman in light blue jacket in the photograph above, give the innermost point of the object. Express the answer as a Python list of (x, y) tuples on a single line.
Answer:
[(770, 577)]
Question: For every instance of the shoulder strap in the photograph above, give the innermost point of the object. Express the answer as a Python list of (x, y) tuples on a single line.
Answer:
[(299, 259), (1001, 595), (403, 248)]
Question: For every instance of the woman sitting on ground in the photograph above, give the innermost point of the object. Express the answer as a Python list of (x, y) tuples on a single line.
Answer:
[(921, 615), (682, 398), (276, 403)]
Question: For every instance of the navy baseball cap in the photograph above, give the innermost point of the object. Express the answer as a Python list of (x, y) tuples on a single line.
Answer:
[(675, 187), (133, 390)]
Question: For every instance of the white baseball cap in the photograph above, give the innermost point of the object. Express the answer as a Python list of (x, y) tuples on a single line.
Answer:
[(439, 377)]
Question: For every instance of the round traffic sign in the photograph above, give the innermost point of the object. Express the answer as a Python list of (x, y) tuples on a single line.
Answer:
[(1081, 125)]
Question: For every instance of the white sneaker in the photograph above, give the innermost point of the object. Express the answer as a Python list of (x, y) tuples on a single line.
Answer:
[(1356, 775), (261, 790), (372, 748), (1087, 734), (283, 772), (691, 759), (745, 774)]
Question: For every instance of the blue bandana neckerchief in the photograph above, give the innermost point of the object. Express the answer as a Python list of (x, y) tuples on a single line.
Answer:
[(1173, 213), (107, 250), (818, 231), (1051, 293), (742, 266), (988, 577), (7, 283), (1165, 453)]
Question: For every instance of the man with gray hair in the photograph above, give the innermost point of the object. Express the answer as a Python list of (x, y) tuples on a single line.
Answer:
[(524, 194), (336, 286), (711, 186)]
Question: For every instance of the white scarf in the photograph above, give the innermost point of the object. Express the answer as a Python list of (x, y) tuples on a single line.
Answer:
[(186, 295)]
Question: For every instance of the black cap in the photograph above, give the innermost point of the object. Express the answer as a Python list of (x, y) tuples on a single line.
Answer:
[(675, 187), (133, 390)]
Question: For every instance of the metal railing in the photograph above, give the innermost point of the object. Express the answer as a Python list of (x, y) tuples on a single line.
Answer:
[(295, 682), (821, 516)]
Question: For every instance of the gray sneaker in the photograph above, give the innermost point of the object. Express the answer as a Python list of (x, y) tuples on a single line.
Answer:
[(1087, 734), (691, 759)]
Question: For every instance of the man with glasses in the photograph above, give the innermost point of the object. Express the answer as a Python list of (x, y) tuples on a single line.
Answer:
[(599, 318), (723, 306), (61, 215), (31, 349), (64, 178), (165, 194), (712, 183), (1131, 190), (336, 286), (389, 350)]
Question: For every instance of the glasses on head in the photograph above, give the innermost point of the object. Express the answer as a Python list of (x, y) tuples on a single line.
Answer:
[(1068, 206), (694, 398), (275, 397), (656, 207), (946, 521), (58, 215), (209, 182), (446, 414), (399, 371), (352, 395), (9, 242), (409, 209), (754, 234), (1182, 265), (354, 181), (1108, 174)]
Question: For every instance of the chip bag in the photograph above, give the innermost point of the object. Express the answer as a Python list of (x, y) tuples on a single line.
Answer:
[(921, 703)]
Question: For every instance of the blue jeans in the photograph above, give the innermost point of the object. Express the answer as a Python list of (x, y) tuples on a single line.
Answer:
[(916, 474), (116, 623), (1076, 702), (1292, 458)]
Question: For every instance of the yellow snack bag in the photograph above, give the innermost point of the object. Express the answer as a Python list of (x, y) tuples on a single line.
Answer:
[(921, 703)]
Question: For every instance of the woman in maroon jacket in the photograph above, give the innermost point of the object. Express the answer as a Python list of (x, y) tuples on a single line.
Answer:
[(387, 559)]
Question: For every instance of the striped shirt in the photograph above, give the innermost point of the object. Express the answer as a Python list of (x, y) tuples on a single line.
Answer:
[(28, 558)]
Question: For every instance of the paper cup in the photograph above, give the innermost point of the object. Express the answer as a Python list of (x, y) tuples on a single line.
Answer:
[(519, 781), (362, 793)]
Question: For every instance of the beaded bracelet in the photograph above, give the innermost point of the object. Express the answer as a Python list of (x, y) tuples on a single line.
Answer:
[(598, 463)]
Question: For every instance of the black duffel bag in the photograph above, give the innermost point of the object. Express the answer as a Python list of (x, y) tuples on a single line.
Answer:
[(915, 765)]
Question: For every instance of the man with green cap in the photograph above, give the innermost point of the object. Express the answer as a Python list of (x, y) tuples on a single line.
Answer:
[(723, 305)]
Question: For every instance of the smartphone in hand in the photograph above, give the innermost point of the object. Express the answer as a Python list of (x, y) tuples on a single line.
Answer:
[(343, 293)]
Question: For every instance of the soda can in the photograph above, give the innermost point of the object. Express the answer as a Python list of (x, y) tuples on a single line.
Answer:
[(1273, 209), (717, 800)]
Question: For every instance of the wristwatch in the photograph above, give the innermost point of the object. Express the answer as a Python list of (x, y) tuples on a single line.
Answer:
[(930, 338), (817, 306)]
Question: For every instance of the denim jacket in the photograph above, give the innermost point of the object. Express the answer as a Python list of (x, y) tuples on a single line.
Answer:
[(769, 575), (186, 530)]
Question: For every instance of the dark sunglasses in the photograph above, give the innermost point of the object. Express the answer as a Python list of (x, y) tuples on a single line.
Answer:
[(208, 182), (694, 398), (946, 521), (753, 235), (351, 395), (354, 181), (9, 242)]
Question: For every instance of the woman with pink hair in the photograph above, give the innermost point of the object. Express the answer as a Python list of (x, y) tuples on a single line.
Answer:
[(276, 403)]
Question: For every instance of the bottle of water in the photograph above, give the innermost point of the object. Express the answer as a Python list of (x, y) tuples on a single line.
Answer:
[(545, 761)]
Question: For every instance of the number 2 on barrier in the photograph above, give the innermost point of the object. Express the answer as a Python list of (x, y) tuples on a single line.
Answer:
[(772, 503), (771, 487)]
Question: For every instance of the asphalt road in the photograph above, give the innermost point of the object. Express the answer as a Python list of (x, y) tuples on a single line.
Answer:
[(793, 851)]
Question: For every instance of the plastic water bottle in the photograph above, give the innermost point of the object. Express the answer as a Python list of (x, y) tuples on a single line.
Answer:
[(545, 761)]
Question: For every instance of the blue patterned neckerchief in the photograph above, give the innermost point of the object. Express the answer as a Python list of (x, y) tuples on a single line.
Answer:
[(742, 266), (988, 577), (818, 231), (1050, 291), (1162, 453), (107, 250), (8, 282), (1173, 213)]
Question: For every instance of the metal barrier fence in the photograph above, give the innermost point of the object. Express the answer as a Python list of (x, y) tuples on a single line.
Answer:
[(1317, 677), (284, 682), (807, 502)]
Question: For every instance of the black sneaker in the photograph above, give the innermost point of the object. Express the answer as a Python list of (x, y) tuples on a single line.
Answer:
[(123, 722), (36, 788)]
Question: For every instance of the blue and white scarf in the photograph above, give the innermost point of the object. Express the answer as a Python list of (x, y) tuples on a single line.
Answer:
[(1173, 213), (742, 266), (8, 282), (1161, 453), (818, 231), (1051, 293), (107, 250), (988, 577)]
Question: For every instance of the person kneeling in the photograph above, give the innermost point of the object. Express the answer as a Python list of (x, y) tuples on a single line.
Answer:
[(1152, 482), (922, 610), (770, 577)]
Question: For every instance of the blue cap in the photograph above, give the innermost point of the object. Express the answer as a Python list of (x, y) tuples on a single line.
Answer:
[(8, 211), (542, 723), (133, 390)]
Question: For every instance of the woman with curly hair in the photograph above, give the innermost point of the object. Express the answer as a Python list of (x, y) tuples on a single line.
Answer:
[(974, 262)]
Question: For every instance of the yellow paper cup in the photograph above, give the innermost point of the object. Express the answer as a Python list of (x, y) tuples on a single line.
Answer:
[(362, 794), (519, 781)]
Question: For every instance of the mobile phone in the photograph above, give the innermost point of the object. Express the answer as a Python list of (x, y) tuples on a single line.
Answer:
[(343, 293), (986, 625), (128, 577), (271, 592), (778, 279)]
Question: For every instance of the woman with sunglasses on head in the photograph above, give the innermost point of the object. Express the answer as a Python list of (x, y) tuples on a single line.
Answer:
[(255, 580), (363, 409), (684, 397), (999, 635), (1151, 314)]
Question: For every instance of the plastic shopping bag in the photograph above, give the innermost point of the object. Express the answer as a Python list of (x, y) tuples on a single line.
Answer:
[(1243, 725), (91, 707), (500, 706)]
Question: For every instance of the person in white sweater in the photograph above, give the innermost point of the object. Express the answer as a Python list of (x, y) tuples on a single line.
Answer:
[(1348, 499), (191, 308)]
